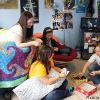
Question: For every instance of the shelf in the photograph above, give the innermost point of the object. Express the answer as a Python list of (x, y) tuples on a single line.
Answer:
[(86, 55), (91, 39)]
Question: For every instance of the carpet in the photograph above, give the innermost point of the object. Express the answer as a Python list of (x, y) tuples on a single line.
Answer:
[(75, 67)]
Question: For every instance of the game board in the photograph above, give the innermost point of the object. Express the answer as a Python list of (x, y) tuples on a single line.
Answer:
[(78, 80)]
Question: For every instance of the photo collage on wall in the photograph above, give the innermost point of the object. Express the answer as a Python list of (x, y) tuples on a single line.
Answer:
[(63, 19), (91, 39), (31, 6)]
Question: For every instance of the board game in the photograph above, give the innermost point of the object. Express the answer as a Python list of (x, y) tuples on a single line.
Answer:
[(86, 88), (78, 80)]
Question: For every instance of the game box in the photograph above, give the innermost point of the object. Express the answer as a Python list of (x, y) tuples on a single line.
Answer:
[(86, 88)]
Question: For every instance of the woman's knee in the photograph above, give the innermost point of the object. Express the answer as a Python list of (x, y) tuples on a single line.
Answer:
[(51, 96), (63, 86)]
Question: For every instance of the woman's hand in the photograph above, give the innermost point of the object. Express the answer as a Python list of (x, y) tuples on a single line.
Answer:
[(39, 40), (81, 74), (36, 43), (55, 49), (61, 75), (64, 71), (93, 73)]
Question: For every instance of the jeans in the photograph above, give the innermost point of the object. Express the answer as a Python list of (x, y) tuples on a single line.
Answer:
[(65, 50), (96, 78), (59, 93)]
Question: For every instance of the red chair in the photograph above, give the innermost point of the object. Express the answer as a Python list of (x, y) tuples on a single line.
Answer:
[(59, 57)]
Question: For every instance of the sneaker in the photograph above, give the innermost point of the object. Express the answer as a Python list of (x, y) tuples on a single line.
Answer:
[(71, 89), (7, 95)]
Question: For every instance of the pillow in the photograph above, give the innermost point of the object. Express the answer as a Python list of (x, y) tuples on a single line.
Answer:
[(37, 35), (34, 89)]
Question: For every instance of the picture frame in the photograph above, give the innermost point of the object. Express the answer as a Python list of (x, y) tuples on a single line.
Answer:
[(69, 4), (48, 4), (81, 6), (8, 4), (31, 6)]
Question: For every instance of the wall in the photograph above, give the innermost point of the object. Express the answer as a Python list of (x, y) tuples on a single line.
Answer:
[(67, 36), (70, 37), (8, 17)]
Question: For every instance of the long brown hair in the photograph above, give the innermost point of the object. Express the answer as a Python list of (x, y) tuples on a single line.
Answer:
[(27, 33), (43, 55)]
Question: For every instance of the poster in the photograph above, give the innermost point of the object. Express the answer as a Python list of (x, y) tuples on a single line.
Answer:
[(8, 4), (32, 6), (62, 20), (69, 4), (48, 3), (81, 6)]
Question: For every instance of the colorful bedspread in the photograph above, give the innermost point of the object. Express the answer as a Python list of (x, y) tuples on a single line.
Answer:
[(12, 70)]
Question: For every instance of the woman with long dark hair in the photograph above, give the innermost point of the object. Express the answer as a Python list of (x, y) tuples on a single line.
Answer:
[(22, 32), (15, 45)]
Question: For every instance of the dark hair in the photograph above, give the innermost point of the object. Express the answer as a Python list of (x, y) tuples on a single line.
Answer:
[(43, 54), (45, 32), (27, 33), (97, 45)]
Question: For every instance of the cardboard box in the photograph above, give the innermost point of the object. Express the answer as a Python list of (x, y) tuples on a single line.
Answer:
[(86, 88)]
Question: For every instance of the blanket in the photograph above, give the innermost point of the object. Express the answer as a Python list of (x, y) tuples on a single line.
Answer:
[(12, 70)]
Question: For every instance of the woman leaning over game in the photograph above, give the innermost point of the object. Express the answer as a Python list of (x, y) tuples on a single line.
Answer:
[(93, 66)]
